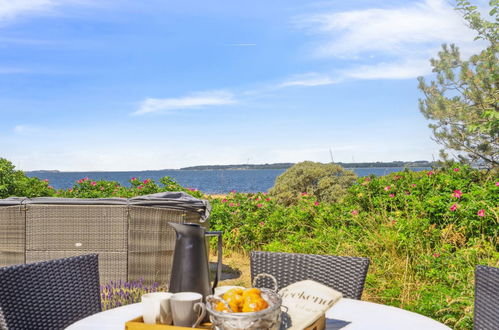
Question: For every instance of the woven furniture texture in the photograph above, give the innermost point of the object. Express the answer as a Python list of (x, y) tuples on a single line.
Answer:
[(131, 236), (151, 242), (76, 227), (12, 235), (149, 230), (486, 314), (345, 274), (112, 265), (49, 295)]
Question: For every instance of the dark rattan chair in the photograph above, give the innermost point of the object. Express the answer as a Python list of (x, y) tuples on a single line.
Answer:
[(486, 298), (345, 274), (49, 294)]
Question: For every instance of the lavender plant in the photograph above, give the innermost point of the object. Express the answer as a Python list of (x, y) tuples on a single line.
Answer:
[(115, 294)]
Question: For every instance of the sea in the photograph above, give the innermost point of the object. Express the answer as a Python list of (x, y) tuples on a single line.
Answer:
[(207, 181)]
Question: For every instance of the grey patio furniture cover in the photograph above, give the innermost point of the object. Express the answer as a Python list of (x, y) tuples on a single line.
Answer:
[(175, 200)]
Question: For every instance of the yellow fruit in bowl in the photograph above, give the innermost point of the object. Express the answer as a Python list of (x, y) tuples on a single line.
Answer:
[(242, 300)]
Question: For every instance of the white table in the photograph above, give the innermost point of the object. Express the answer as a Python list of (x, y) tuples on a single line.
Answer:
[(346, 314)]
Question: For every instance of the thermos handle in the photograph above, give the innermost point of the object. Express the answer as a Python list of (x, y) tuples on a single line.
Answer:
[(218, 275)]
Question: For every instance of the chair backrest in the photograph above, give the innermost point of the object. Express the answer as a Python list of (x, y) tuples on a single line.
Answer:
[(50, 294), (486, 298), (345, 274)]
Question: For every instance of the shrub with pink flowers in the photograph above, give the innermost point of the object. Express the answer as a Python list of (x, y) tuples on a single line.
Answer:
[(423, 231)]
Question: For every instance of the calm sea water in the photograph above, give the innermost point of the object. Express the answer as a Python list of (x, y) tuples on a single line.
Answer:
[(208, 181)]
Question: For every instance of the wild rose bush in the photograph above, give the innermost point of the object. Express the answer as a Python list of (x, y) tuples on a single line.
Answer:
[(88, 188), (423, 231)]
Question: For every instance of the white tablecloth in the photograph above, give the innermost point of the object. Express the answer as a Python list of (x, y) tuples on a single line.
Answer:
[(346, 314)]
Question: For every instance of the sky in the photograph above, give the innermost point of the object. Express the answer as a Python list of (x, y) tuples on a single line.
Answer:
[(112, 85)]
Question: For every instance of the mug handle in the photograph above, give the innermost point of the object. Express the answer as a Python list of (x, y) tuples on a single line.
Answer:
[(201, 308)]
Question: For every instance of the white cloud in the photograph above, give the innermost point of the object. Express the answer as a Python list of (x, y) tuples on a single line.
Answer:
[(24, 129), (242, 44), (395, 70), (195, 100), (12, 8), (308, 80), (397, 41)]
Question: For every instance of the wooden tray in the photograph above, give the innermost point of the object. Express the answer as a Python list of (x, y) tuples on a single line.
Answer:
[(138, 324)]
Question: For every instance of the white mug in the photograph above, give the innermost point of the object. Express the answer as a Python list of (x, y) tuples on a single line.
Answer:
[(156, 308), (188, 309)]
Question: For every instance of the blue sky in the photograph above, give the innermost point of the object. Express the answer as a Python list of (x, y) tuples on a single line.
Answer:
[(154, 84)]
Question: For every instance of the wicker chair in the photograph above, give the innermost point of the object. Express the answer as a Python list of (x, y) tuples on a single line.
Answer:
[(49, 294), (345, 274), (486, 298)]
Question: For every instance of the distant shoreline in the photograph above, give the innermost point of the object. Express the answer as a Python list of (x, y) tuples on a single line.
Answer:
[(422, 163)]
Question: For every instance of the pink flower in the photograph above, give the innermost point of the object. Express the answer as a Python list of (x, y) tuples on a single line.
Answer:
[(413, 185), (354, 212), (146, 181), (394, 222), (392, 195), (238, 204), (265, 193), (304, 194), (224, 200), (231, 204), (316, 203), (93, 183), (233, 191), (453, 207), (262, 223), (457, 193), (430, 173), (497, 184), (387, 188), (80, 181), (481, 213), (50, 187), (133, 179), (456, 169), (140, 187), (436, 255), (267, 199), (259, 205), (257, 198), (101, 188), (46, 180)]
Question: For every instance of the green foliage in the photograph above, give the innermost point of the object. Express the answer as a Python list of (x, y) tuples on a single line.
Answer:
[(16, 183), (88, 188), (423, 231), (325, 182), (462, 103)]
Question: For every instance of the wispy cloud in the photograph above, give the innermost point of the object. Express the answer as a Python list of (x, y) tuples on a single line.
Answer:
[(24, 129), (194, 100), (242, 44), (406, 69), (308, 80), (11, 8), (397, 39)]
